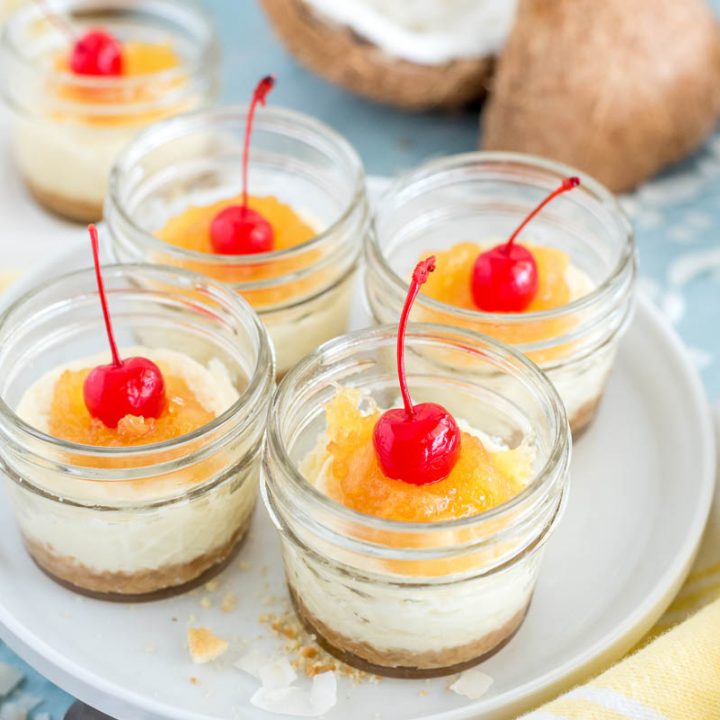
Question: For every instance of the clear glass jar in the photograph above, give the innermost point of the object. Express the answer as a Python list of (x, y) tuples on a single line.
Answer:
[(302, 294), (482, 198), (69, 128), (416, 599), (137, 521)]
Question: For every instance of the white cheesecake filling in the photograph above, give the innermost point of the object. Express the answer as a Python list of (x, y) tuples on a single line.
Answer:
[(69, 160), (129, 532), (581, 383), (299, 331), (394, 615), (427, 32), (412, 618)]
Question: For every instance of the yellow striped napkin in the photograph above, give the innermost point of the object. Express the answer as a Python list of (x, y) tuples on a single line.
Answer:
[(675, 677), (676, 674)]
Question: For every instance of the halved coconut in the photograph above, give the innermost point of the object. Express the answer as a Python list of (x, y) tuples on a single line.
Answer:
[(413, 54), (617, 88)]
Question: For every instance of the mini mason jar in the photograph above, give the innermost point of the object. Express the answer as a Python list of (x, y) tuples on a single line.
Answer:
[(68, 128), (137, 521), (302, 294), (416, 599), (481, 198)]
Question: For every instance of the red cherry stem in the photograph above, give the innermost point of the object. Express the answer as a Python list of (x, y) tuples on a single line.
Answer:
[(259, 96), (117, 362), (567, 184), (419, 278), (59, 21)]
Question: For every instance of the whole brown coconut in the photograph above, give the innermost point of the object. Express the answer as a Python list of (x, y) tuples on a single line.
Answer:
[(617, 88), (346, 59)]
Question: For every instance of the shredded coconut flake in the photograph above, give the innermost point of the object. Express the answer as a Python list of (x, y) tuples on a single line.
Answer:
[(10, 678), (472, 684), (20, 708), (252, 661), (278, 673), (298, 702), (323, 694)]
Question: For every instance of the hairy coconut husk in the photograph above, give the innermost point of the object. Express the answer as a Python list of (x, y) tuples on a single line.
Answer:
[(617, 88), (341, 56)]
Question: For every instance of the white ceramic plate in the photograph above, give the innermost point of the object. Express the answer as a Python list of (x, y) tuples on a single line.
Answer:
[(642, 482)]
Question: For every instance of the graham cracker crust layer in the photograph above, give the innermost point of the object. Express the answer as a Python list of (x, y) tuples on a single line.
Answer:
[(583, 418), (66, 206), (404, 664), (139, 586)]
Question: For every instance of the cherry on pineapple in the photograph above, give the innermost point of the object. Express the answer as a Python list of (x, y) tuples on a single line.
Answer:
[(97, 53), (134, 386), (238, 230), (418, 444), (505, 278)]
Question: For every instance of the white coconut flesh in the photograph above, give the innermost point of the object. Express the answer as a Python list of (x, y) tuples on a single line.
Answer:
[(426, 32)]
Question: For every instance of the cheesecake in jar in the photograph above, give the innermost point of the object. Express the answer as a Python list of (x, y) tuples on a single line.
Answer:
[(180, 195), (528, 253), (132, 472), (82, 78), (413, 514)]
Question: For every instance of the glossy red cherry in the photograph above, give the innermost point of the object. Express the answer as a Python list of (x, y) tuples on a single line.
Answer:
[(124, 387), (238, 230), (97, 53), (418, 444), (505, 278)]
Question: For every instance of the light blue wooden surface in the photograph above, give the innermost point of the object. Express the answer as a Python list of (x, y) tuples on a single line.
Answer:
[(677, 218)]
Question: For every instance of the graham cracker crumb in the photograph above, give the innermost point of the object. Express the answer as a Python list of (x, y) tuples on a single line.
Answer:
[(212, 585), (204, 645), (304, 654), (205, 602), (229, 603)]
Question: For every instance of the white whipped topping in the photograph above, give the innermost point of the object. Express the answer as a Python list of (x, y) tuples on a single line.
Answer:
[(427, 32), (211, 385)]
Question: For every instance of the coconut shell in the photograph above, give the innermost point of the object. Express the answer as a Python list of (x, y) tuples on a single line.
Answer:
[(339, 55), (617, 88)]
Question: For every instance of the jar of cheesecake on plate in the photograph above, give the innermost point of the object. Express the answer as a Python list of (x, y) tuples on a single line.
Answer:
[(132, 468), (280, 217), (83, 77), (528, 252), (413, 498)]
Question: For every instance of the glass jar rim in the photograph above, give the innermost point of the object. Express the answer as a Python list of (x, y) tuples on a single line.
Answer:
[(260, 382), (195, 11), (176, 127), (589, 186), (561, 447)]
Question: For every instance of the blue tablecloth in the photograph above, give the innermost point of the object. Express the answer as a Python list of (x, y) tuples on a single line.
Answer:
[(677, 216)]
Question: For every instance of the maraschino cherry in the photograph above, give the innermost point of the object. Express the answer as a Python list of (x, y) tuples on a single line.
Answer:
[(124, 387), (96, 52), (238, 230), (418, 444), (505, 278)]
